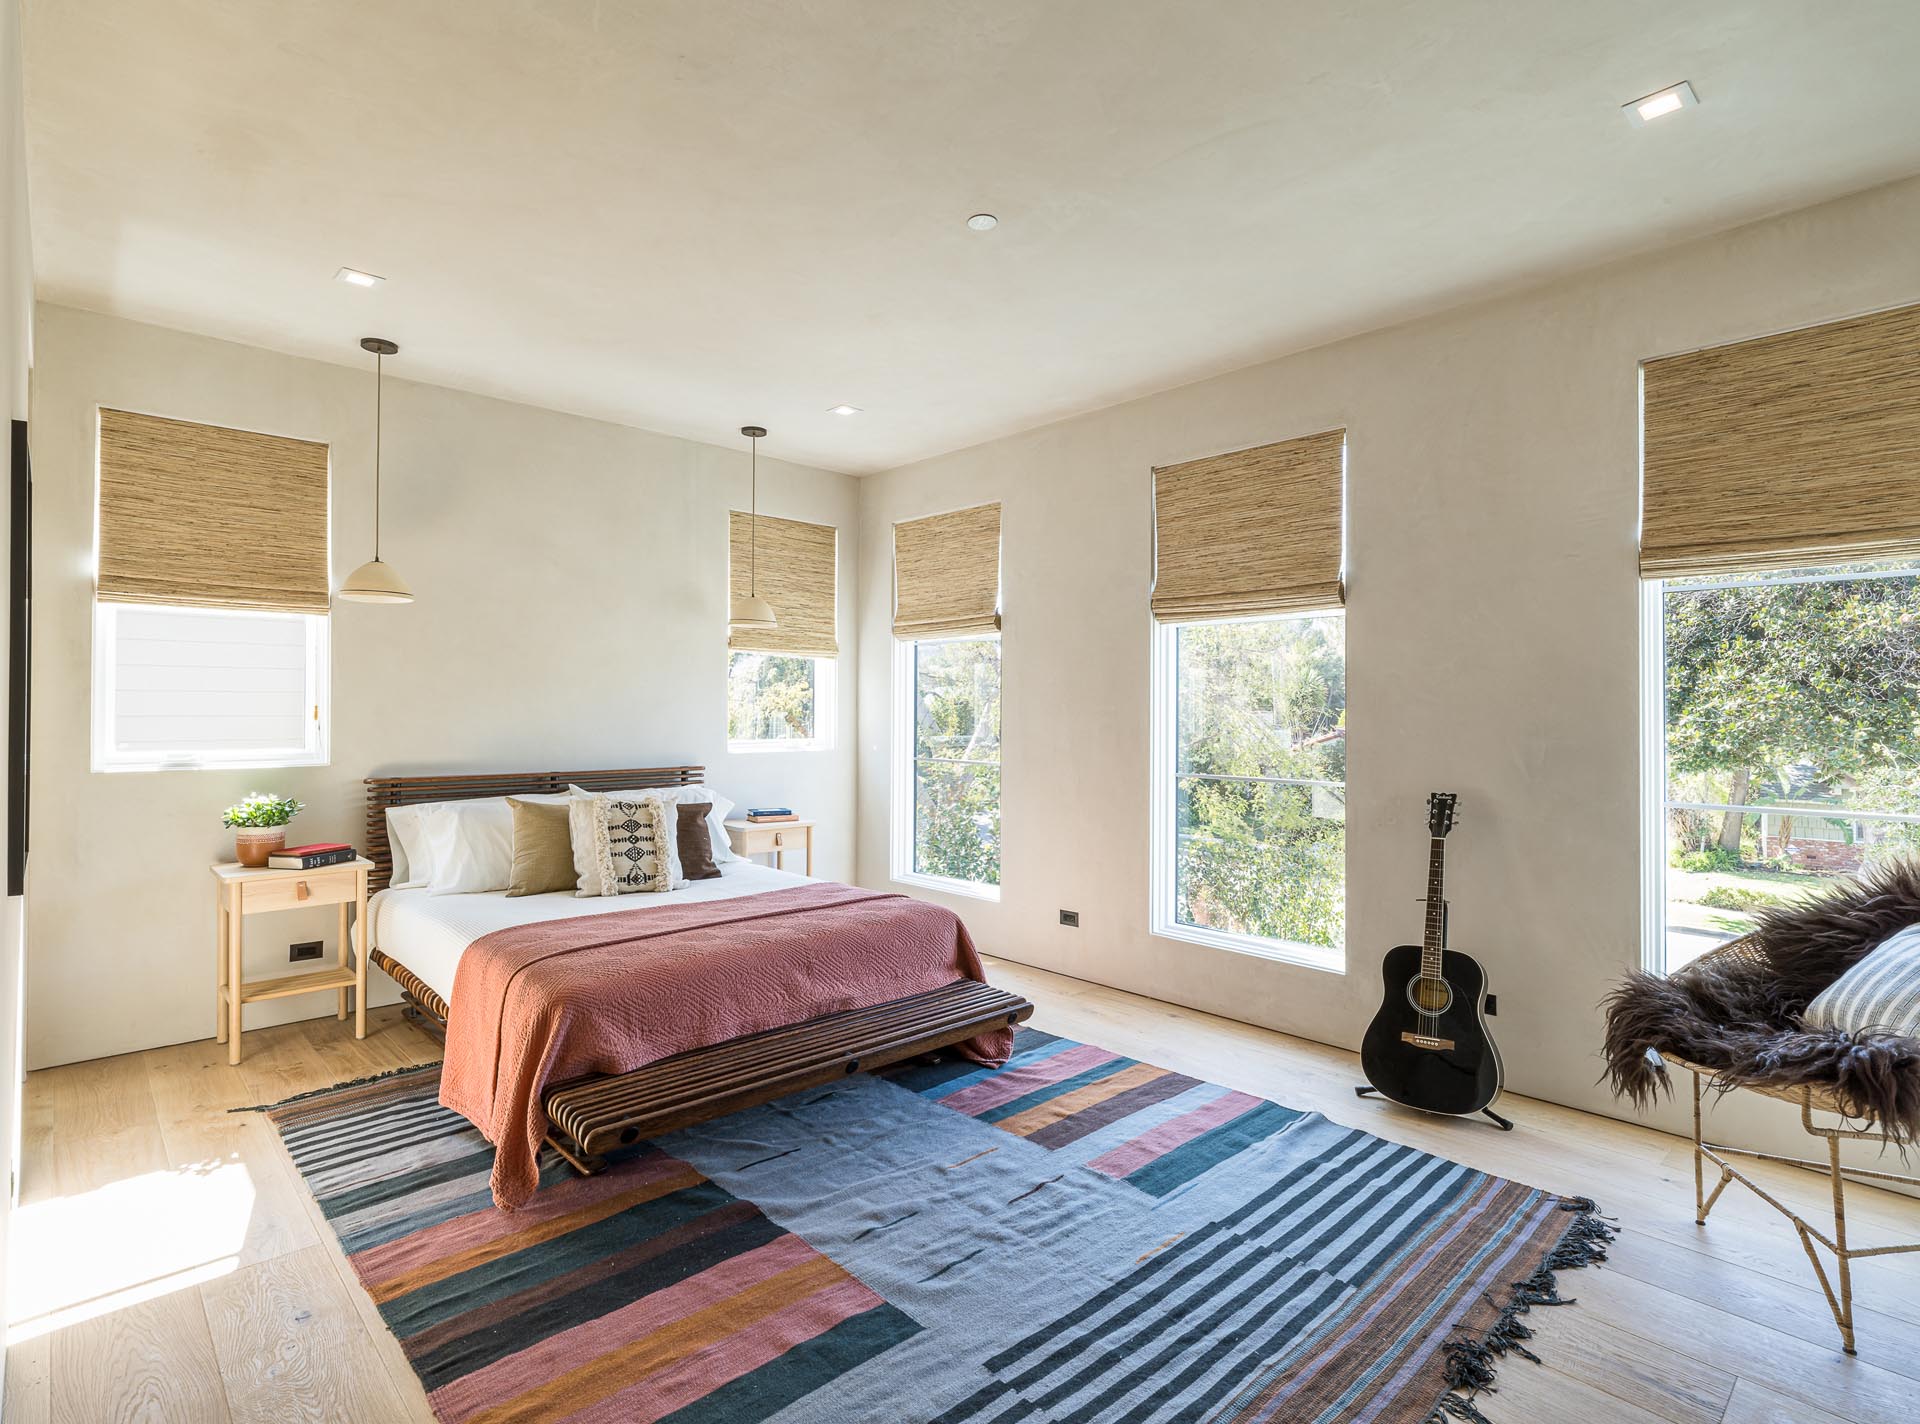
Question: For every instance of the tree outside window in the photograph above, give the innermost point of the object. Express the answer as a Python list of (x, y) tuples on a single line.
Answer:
[(1258, 779), (955, 691), (1790, 711)]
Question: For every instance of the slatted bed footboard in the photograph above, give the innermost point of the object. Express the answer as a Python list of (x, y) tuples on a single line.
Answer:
[(594, 1115)]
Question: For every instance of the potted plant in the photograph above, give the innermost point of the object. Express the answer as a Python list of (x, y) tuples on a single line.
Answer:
[(259, 826)]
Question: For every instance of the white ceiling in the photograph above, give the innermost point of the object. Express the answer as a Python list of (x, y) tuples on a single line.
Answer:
[(688, 215)]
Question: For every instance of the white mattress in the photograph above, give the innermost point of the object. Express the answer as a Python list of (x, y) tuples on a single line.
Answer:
[(428, 933)]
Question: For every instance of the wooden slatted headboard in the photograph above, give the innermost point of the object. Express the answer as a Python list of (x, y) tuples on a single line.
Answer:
[(385, 791)]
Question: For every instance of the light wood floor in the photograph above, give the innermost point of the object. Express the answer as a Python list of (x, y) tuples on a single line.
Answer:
[(171, 1266)]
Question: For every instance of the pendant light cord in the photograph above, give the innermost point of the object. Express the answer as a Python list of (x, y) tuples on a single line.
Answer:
[(753, 500), (379, 389)]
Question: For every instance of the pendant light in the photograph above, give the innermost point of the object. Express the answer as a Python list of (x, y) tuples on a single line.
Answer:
[(753, 611), (374, 581)]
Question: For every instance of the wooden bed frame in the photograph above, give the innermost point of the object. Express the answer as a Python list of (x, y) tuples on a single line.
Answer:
[(590, 1116)]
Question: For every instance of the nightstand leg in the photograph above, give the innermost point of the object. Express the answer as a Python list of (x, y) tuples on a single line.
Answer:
[(345, 949), (235, 976), (360, 960), (220, 967), (809, 852)]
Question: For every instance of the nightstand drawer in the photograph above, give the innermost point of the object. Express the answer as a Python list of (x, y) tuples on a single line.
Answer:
[(762, 840), (294, 892)]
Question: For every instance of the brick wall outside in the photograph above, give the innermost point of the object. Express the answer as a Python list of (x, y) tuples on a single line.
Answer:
[(1827, 857)]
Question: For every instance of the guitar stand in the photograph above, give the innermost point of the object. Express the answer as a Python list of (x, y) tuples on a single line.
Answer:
[(1504, 1124)]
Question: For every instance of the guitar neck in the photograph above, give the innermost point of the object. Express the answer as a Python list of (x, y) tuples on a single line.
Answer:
[(1436, 930)]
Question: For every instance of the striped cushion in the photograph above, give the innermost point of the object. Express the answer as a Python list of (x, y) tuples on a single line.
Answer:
[(1881, 992)]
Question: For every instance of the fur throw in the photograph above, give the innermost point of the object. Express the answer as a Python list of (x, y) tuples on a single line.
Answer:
[(1740, 1011)]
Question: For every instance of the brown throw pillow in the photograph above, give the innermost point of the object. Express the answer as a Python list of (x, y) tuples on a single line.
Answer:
[(542, 849), (696, 841)]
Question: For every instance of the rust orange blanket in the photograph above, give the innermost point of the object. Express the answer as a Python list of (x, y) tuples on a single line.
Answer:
[(543, 1003)]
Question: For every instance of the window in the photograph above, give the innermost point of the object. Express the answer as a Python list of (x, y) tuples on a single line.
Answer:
[(947, 796), (1250, 757), (1783, 741), (194, 687), (777, 702)]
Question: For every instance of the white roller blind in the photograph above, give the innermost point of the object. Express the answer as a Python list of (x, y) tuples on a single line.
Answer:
[(193, 687)]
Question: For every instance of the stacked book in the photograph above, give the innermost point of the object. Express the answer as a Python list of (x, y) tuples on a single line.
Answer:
[(311, 857), (760, 814)]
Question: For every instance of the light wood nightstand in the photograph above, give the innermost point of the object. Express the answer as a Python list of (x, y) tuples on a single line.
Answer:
[(773, 839), (240, 891)]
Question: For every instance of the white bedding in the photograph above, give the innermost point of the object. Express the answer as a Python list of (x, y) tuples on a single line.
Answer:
[(428, 933)]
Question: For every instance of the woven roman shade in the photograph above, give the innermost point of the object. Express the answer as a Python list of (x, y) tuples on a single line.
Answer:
[(1256, 531), (205, 517), (946, 574), (796, 575), (1790, 450)]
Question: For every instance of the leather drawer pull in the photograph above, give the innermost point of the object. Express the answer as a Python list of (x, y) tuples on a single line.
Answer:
[(300, 890)]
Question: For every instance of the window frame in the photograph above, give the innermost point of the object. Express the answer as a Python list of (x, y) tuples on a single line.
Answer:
[(825, 707), (1654, 777), (1163, 831), (318, 750), (904, 780)]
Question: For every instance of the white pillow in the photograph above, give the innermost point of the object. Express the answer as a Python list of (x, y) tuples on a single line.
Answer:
[(407, 843), (470, 843)]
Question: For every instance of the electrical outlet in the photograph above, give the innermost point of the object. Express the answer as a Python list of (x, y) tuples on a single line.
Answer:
[(305, 950), (1070, 918)]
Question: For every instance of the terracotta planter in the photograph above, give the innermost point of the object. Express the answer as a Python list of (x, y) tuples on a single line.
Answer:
[(253, 844)]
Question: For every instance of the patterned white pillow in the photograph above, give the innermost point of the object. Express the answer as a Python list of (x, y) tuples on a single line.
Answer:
[(1881, 992), (620, 844)]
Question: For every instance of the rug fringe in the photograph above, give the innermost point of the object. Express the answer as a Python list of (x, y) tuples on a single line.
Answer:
[(338, 1087), (1472, 1363)]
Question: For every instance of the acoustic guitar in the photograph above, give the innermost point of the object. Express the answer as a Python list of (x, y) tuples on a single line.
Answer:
[(1428, 1047)]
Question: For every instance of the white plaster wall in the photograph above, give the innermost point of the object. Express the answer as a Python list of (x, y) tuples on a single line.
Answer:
[(1492, 632), (571, 582)]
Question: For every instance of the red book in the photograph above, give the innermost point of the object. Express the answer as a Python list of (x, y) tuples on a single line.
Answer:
[(311, 857)]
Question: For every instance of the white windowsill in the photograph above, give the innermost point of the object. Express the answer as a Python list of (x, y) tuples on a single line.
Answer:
[(271, 762), (817, 744), (1306, 956), (971, 888)]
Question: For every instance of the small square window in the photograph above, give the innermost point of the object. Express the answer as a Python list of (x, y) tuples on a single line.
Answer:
[(776, 702), (180, 688)]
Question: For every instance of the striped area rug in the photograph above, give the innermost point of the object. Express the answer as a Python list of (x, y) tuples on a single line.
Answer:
[(1074, 1237)]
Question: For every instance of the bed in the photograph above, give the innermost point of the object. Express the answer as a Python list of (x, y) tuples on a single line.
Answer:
[(589, 1024)]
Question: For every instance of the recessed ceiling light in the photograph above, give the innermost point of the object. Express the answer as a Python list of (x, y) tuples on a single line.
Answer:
[(1658, 105), (983, 222), (355, 277), (843, 410)]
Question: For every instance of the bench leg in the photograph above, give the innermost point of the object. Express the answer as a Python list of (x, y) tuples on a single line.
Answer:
[(585, 1163)]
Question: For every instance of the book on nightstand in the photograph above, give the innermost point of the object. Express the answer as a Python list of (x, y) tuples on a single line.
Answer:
[(759, 815), (311, 857)]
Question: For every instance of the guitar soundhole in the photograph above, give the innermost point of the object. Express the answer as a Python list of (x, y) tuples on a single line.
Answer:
[(1429, 996)]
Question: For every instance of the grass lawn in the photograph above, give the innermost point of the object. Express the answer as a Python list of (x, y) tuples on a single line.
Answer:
[(1706, 925)]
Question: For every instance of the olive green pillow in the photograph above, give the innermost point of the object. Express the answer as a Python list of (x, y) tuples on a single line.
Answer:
[(542, 849)]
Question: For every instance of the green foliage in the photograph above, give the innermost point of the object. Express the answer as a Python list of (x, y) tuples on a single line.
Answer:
[(261, 810), (1805, 693), (956, 753), (770, 698), (1732, 897), (1700, 861), (1820, 675), (1262, 699)]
